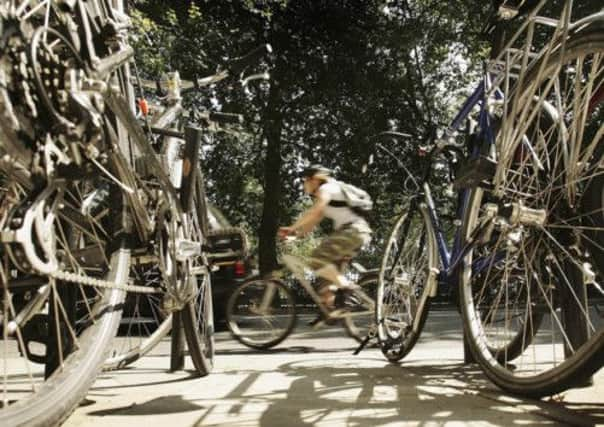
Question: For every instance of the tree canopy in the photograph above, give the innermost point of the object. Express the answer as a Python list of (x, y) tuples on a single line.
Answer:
[(341, 72)]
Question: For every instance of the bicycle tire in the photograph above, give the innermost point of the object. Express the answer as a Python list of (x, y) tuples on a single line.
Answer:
[(544, 374), (359, 328), (58, 396), (87, 218), (398, 341), (119, 359), (85, 212), (198, 314), (245, 323)]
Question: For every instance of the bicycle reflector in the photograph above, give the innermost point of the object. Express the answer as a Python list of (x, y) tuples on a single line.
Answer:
[(239, 268), (144, 107)]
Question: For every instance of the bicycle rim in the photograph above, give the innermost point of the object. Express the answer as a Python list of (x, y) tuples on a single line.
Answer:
[(144, 323), (261, 313), (198, 315), (198, 323), (545, 269), (362, 318), (406, 278), (58, 394)]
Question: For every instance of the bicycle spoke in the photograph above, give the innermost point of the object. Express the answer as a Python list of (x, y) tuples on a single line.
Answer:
[(550, 158)]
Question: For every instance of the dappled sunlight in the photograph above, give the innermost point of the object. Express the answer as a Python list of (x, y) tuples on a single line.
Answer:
[(315, 381), (364, 392)]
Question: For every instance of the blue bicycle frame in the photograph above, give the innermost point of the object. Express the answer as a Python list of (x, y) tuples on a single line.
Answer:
[(451, 258)]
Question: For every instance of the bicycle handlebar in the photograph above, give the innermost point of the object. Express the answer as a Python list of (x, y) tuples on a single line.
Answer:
[(446, 145), (237, 66), (234, 68), (226, 118)]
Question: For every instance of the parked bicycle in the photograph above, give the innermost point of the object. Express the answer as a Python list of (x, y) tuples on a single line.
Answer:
[(147, 319), (527, 253), (86, 189), (262, 312)]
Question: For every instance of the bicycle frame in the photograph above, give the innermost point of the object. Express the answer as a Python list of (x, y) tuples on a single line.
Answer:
[(450, 258), (497, 80), (298, 266)]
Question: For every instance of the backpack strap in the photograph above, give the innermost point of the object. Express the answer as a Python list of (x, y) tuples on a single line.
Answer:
[(339, 204), (343, 204)]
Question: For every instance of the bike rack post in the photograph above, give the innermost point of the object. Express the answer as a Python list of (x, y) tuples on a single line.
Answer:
[(177, 345), (191, 158), (573, 305), (468, 357)]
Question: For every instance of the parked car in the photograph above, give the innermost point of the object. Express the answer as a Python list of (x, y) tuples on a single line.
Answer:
[(230, 262), (230, 259)]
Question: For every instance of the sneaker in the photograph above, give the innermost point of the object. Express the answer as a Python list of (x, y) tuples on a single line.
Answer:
[(321, 320), (347, 300)]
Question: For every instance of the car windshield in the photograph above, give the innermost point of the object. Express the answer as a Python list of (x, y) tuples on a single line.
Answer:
[(216, 219)]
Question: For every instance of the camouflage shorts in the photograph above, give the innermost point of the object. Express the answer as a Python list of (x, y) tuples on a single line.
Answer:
[(339, 245)]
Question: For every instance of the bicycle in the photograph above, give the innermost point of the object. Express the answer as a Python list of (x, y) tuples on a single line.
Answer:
[(84, 192), (64, 269), (262, 312), (512, 286), (149, 322)]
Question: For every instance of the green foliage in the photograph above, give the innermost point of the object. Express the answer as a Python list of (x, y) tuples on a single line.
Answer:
[(342, 71), (150, 41)]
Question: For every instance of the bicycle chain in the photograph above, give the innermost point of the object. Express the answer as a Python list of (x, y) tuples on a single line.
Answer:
[(105, 284)]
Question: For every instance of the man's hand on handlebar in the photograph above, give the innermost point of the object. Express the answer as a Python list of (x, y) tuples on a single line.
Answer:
[(284, 232)]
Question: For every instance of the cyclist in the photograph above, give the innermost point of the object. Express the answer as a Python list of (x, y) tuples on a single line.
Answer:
[(351, 232)]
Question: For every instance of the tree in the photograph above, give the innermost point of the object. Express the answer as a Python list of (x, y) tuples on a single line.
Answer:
[(342, 71)]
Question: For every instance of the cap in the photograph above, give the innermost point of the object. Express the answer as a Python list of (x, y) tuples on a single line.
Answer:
[(313, 170)]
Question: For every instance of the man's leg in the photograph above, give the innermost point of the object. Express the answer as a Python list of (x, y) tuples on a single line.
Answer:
[(326, 258), (333, 280)]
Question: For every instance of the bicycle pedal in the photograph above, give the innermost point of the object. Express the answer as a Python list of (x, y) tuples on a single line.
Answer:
[(325, 320), (318, 325), (362, 345)]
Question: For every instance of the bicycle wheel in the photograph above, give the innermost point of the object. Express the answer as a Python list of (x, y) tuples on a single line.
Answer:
[(56, 331), (198, 314), (542, 260), (60, 303), (144, 322), (362, 316), (261, 313), (406, 279)]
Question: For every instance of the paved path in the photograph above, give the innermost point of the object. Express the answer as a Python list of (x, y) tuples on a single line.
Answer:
[(313, 380)]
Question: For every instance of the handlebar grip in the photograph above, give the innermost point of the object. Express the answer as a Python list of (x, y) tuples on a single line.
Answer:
[(227, 118), (238, 65)]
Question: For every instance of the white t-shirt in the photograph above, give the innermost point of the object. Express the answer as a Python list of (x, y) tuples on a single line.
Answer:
[(340, 215)]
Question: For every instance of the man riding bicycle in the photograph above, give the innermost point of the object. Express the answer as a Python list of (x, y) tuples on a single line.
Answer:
[(340, 203)]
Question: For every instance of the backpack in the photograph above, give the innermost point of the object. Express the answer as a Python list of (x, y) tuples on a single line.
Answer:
[(358, 200)]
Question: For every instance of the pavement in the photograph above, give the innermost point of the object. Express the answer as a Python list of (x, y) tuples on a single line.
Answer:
[(312, 379)]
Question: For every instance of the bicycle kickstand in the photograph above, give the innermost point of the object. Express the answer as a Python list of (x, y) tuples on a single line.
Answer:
[(370, 335)]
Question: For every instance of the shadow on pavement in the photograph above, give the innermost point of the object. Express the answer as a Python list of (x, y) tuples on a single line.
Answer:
[(321, 393), (592, 410), (328, 389), (284, 349), (192, 375), (160, 405)]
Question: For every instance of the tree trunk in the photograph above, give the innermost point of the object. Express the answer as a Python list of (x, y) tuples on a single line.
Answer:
[(271, 211)]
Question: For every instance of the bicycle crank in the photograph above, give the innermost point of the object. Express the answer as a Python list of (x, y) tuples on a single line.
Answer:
[(30, 239)]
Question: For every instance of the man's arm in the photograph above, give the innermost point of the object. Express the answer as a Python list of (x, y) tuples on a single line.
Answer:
[(309, 219)]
